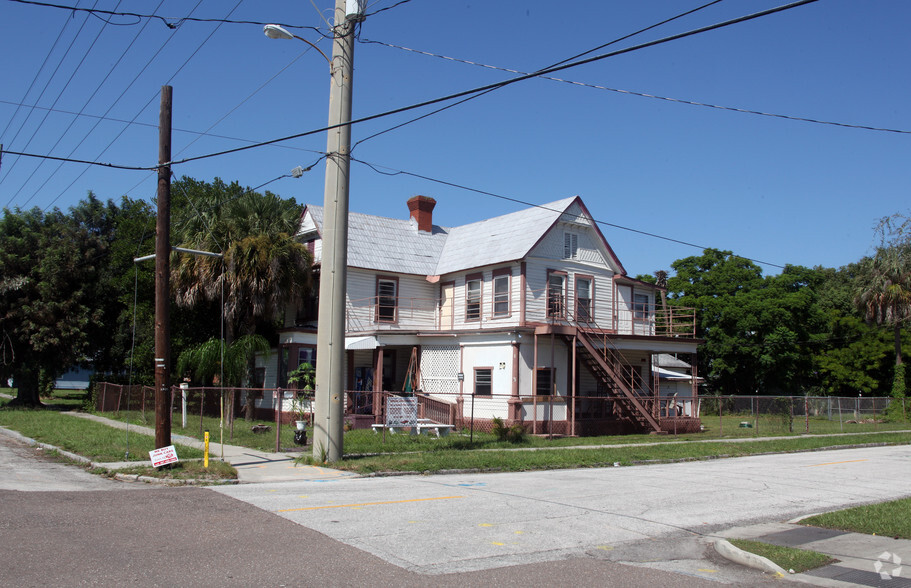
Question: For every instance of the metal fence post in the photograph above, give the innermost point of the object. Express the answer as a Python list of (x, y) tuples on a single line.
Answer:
[(720, 420), (277, 394), (806, 412)]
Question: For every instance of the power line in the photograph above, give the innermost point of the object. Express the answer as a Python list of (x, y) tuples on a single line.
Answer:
[(487, 87), (168, 21), (43, 90), (150, 125), (152, 99), (84, 161), (392, 172), (615, 41), (47, 57), (115, 102), (646, 95), (241, 103), (520, 78), (396, 5), (73, 121)]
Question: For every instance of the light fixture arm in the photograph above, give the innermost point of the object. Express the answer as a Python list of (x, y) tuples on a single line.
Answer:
[(277, 32)]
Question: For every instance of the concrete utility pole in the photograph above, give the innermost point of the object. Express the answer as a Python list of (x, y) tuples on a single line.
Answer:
[(163, 277), (330, 345)]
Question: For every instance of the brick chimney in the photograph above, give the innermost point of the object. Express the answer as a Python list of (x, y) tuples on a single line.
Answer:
[(421, 209)]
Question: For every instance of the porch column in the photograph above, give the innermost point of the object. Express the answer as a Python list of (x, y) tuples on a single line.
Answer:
[(572, 408), (534, 390), (515, 404), (349, 400), (378, 386)]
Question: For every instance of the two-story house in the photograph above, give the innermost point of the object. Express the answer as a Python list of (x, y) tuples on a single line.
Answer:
[(528, 316)]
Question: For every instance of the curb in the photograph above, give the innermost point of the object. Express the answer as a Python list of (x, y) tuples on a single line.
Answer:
[(726, 550), (173, 481)]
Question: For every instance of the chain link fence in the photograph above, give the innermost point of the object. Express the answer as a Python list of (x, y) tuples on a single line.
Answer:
[(713, 416)]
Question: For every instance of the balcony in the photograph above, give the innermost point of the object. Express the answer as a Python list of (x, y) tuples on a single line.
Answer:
[(383, 313)]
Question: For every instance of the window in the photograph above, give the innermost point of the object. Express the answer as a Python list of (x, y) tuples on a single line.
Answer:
[(483, 381), (501, 294), (306, 355), (584, 299), (386, 300), (545, 384), (473, 298), (641, 307), (570, 245), (556, 295)]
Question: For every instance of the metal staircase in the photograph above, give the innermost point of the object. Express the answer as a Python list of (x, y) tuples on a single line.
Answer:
[(606, 363)]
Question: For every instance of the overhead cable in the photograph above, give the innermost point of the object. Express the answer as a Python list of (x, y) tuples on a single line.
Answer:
[(170, 22), (375, 168)]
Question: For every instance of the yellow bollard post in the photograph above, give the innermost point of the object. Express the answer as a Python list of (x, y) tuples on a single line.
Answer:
[(205, 459)]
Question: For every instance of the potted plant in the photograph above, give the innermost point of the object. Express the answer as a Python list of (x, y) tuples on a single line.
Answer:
[(302, 377)]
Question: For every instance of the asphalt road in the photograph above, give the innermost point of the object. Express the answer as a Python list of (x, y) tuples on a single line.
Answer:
[(641, 526), (130, 534), (456, 523)]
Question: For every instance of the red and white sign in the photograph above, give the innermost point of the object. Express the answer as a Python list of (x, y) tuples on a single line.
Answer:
[(163, 456)]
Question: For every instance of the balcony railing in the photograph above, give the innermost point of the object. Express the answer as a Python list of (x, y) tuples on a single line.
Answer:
[(401, 313)]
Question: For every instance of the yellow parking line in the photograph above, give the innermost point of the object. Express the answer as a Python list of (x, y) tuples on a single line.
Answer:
[(368, 503), (816, 465)]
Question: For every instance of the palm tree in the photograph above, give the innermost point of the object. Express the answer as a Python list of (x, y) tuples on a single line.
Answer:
[(265, 268), (884, 295)]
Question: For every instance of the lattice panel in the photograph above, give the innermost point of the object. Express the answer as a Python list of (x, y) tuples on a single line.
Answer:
[(439, 369)]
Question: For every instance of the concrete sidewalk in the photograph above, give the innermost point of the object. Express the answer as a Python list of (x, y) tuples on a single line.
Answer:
[(252, 465), (863, 560)]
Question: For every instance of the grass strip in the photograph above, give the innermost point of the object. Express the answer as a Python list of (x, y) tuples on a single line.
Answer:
[(789, 558), (420, 455), (184, 470), (243, 434), (890, 519), (95, 441)]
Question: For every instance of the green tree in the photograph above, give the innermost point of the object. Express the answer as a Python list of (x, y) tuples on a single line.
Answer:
[(883, 292), (758, 331), (49, 269), (203, 362), (265, 268)]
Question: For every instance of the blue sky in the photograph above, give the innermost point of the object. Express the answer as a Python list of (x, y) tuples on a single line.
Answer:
[(774, 190)]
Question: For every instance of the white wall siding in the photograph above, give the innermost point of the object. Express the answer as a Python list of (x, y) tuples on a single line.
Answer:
[(536, 272), (487, 320), (417, 302)]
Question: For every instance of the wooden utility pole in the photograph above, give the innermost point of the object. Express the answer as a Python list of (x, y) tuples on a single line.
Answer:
[(163, 277)]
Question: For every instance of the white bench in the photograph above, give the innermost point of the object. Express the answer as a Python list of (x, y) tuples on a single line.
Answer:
[(423, 425)]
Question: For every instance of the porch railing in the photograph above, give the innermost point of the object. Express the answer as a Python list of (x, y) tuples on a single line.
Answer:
[(403, 313)]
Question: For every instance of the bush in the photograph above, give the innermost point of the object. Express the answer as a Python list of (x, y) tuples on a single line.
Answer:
[(513, 434)]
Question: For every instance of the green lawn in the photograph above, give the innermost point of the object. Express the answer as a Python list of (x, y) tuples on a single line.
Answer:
[(799, 560), (890, 519), (242, 434), (95, 441), (765, 425), (366, 452)]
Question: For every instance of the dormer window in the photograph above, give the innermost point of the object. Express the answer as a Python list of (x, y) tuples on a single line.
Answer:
[(570, 245)]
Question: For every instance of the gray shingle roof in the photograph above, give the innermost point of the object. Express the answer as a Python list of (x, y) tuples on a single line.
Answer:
[(396, 245)]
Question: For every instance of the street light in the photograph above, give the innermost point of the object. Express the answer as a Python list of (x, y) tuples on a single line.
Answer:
[(274, 31), (328, 430)]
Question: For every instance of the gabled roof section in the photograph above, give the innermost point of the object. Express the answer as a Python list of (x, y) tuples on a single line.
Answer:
[(386, 244), (397, 246), (515, 234)]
